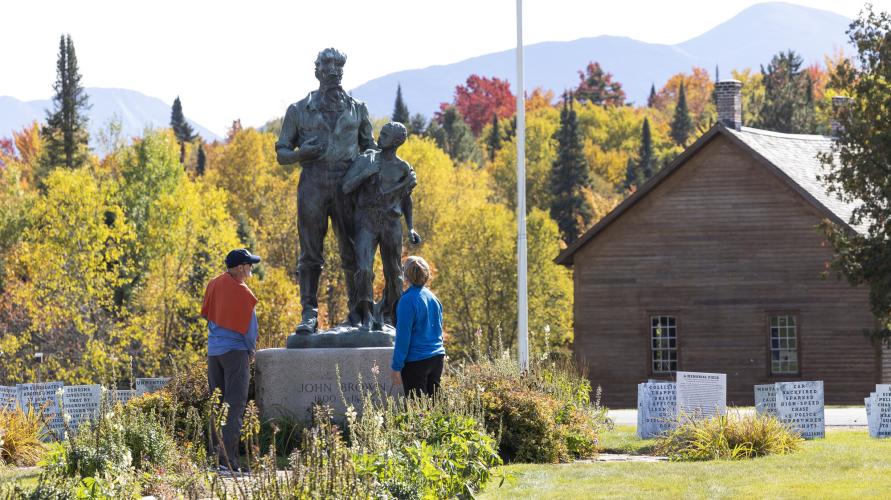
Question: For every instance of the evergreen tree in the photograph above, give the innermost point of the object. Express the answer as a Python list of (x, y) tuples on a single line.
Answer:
[(400, 110), (201, 166), (417, 125), (681, 123), (788, 104), (631, 178), (645, 159), (181, 128), (65, 133), (642, 168), (453, 135), (651, 100), (570, 178), (494, 141)]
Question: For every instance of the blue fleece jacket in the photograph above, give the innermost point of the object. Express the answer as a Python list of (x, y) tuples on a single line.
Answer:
[(222, 340), (418, 327)]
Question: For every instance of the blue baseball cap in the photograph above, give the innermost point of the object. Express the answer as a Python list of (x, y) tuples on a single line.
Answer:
[(241, 256)]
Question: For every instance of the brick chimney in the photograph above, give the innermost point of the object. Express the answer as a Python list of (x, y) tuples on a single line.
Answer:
[(839, 105), (729, 103)]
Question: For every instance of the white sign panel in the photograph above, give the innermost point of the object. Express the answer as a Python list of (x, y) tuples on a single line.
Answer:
[(766, 399), (81, 402), (800, 405), (9, 397), (43, 397), (660, 409), (146, 385), (701, 395), (123, 395), (881, 411)]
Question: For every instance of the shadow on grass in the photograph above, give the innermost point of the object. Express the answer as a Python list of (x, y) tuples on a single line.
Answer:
[(623, 439)]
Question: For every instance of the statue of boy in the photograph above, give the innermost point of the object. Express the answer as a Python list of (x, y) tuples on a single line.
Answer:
[(383, 183)]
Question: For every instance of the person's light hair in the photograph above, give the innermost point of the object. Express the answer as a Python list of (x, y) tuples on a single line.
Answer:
[(417, 270)]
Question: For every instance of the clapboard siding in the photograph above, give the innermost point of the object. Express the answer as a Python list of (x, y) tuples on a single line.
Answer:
[(720, 243)]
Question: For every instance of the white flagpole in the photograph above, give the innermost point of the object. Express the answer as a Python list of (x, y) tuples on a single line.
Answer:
[(522, 290)]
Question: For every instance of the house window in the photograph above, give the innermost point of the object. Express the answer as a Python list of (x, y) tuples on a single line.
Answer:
[(783, 344), (664, 343)]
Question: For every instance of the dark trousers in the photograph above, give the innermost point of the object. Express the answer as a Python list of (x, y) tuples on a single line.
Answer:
[(319, 197), (422, 377), (231, 374)]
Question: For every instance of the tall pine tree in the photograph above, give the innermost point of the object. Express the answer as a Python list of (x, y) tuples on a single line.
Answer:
[(681, 123), (788, 104), (201, 166), (65, 133), (181, 128), (453, 135), (417, 125), (495, 138), (643, 167), (570, 178), (651, 100), (400, 110)]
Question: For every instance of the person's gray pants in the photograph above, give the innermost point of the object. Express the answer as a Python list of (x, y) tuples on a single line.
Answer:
[(231, 374)]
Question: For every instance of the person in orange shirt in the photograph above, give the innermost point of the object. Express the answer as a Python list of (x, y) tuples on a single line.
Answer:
[(231, 340)]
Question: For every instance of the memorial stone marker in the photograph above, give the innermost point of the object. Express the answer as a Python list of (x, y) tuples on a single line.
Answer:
[(146, 385), (766, 399), (800, 405), (81, 402), (656, 408), (9, 397), (870, 418), (701, 394), (123, 395), (879, 412), (43, 396)]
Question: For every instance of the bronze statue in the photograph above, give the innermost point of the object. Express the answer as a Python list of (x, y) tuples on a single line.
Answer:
[(382, 183), (325, 132)]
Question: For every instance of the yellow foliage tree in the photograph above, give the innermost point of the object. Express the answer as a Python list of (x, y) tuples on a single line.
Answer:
[(67, 269), (476, 280), (278, 306), (188, 235), (541, 150)]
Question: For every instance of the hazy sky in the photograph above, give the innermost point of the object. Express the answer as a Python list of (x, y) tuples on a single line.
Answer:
[(249, 59)]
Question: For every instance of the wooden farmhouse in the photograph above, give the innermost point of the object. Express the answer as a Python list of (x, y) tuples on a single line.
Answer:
[(718, 264)]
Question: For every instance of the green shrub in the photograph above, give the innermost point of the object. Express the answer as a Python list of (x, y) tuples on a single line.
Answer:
[(731, 437), (545, 415), (323, 466), (421, 448), (281, 434), (21, 435)]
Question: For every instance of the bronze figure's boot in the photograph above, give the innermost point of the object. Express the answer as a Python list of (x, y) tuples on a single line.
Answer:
[(309, 300)]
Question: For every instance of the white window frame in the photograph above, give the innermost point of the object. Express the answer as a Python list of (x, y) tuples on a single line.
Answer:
[(663, 329), (783, 343)]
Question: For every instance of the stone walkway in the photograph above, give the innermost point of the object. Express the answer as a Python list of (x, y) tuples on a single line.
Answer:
[(836, 416)]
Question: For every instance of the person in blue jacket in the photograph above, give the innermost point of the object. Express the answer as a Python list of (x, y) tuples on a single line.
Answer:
[(419, 353)]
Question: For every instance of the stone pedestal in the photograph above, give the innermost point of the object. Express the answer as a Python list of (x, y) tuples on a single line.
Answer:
[(289, 381)]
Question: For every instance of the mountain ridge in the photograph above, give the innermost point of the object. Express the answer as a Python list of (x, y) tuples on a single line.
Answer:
[(746, 40), (135, 110)]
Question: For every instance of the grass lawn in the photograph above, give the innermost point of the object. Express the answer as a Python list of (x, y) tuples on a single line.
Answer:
[(26, 476), (847, 464)]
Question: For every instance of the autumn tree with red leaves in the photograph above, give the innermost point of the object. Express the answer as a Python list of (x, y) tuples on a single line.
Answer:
[(598, 87), (481, 98)]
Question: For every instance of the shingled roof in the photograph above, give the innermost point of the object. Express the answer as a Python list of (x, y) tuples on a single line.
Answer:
[(792, 157)]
